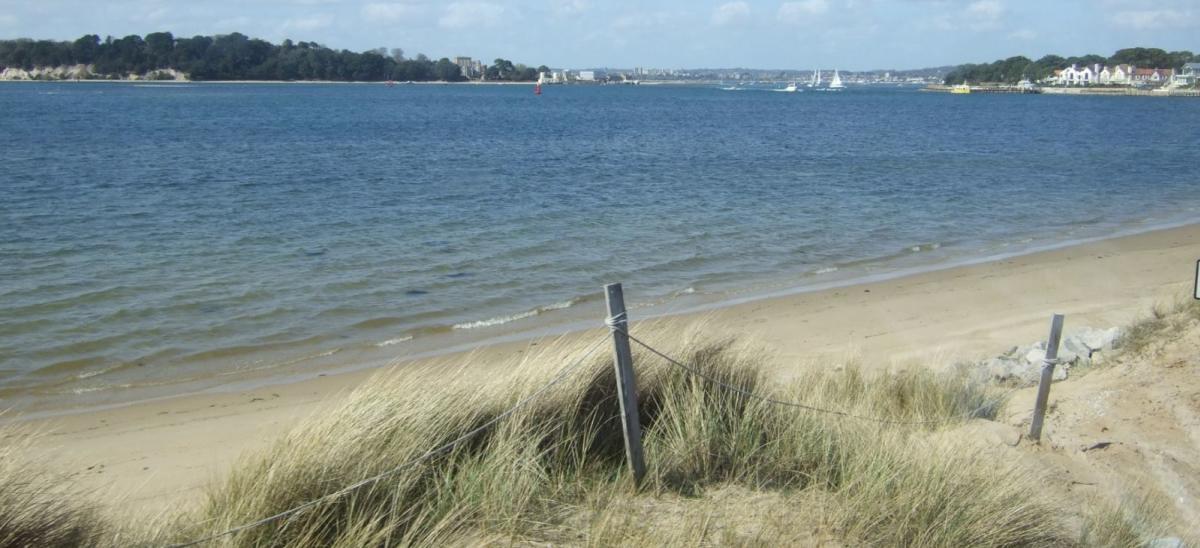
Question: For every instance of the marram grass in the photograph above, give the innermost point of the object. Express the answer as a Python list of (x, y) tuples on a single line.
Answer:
[(36, 507), (554, 471), (531, 476)]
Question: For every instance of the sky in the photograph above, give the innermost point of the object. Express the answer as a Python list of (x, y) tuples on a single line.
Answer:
[(793, 34)]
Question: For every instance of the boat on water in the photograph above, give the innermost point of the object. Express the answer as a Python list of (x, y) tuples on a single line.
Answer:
[(816, 79), (791, 88), (836, 82)]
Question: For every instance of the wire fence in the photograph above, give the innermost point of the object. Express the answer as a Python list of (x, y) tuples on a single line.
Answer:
[(562, 375), (617, 324), (697, 372)]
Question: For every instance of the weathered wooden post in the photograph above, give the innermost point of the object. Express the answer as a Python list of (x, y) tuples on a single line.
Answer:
[(626, 383), (1043, 393), (1197, 280)]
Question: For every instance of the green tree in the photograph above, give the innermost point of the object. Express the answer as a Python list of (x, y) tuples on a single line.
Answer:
[(85, 49), (235, 56), (447, 71), (1141, 57), (160, 47)]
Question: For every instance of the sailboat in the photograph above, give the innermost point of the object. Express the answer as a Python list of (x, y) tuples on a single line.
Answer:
[(816, 79), (836, 82)]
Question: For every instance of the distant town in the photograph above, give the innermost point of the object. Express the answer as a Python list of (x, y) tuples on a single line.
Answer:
[(474, 69), (236, 57)]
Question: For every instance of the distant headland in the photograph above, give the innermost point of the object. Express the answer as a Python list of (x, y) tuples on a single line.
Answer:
[(162, 56), (1130, 71)]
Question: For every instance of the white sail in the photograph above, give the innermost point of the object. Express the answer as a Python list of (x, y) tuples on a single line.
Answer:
[(816, 79), (836, 82)]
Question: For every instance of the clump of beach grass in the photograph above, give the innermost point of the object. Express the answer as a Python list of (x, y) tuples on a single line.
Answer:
[(1160, 326), (530, 476), (1139, 517), (36, 507)]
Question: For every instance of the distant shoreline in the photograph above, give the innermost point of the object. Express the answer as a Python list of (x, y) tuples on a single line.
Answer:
[(301, 82), (1102, 91)]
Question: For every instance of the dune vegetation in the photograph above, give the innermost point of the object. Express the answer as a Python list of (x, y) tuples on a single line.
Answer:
[(723, 468)]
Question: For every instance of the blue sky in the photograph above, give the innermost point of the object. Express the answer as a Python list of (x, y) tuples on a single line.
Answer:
[(802, 34)]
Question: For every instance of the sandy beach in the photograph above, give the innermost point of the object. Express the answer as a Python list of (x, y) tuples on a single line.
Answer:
[(162, 453)]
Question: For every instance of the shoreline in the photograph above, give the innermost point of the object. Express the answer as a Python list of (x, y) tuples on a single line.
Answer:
[(301, 82), (554, 321), (166, 450)]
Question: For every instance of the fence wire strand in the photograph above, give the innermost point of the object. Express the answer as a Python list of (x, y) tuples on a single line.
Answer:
[(696, 371), (561, 376), (614, 324)]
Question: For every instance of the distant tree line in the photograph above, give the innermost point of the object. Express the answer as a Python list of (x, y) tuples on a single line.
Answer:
[(1014, 69), (237, 57)]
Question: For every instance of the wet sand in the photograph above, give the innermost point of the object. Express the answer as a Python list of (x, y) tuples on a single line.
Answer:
[(161, 453)]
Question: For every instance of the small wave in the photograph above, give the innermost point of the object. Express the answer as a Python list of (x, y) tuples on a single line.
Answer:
[(396, 340), (688, 291), (88, 389), (558, 306), (501, 320), (924, 247), (826, 270), (496, 321)]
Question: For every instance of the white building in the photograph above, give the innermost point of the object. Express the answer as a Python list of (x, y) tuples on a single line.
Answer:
[(1118, 75), (1074, 76), (587, 76), (1189, 75)]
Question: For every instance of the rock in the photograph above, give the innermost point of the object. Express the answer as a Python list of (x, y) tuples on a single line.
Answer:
[(1060, 373), (1017, 370), (1077, 346), (1099, 339), (1037, 357)]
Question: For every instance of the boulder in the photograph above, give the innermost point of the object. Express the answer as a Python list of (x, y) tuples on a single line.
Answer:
[(1018, 370), (1099, 339)]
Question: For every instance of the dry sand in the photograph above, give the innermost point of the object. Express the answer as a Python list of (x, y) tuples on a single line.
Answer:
[(160, 454)]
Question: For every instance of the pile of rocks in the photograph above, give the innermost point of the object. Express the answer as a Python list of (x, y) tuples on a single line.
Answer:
[(1023, 364)]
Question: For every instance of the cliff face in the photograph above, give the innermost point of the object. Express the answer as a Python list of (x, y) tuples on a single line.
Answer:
[(86, 72)]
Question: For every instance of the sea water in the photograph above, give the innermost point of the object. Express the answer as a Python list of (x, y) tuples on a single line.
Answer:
[(166, 238)]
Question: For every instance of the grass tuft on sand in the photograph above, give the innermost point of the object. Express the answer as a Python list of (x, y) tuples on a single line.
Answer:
[(36, 507), (554, 470)]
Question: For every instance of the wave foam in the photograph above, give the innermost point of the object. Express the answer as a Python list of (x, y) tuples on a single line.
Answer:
[(396, 340), (501, 320)]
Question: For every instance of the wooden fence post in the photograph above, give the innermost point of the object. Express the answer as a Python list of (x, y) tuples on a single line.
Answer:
[(1043, 393), (626, 383)]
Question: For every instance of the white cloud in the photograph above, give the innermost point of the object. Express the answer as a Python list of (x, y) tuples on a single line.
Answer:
[(312, 22), (567, 8), (985, 9), (1023, 34), (978, 16), (233, 23), (389, 12), (983, 15), (731, 13), (798, 12), (1153, 19), (460, 15), (642, 20)]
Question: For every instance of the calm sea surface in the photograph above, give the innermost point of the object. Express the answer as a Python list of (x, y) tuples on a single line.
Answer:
[(154, 236)]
